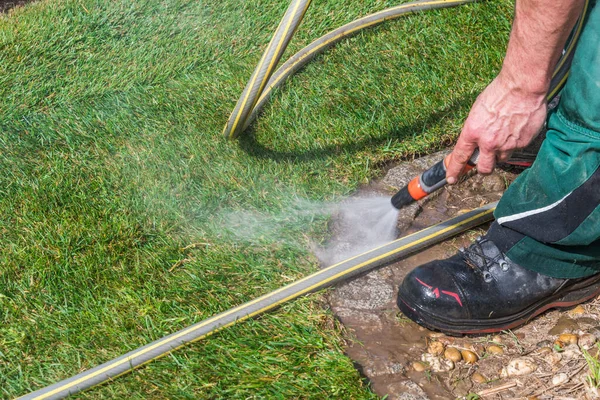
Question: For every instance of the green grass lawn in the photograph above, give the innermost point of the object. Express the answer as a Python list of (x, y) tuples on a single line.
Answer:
[(112, 161)]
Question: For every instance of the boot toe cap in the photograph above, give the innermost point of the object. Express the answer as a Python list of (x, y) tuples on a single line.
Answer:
[(430, 288)]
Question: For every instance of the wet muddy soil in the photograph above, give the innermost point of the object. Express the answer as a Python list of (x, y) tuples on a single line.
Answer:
[(401, 360)]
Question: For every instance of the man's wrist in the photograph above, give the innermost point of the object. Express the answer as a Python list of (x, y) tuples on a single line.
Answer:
[(540, 30), (531, 85)]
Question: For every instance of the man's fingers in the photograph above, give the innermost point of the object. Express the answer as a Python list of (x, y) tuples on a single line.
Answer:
[(458, 159), (486, 162), (504, 156)]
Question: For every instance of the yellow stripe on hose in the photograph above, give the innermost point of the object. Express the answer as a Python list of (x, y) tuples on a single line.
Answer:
[(350, 31), (266, 308), (267, 75), (253, 80), (558, 87)]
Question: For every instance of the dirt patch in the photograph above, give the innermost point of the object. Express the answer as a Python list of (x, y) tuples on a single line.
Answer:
[(6, 5), (393, 353)]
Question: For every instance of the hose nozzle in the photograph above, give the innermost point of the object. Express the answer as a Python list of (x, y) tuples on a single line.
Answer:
[(428, 182)]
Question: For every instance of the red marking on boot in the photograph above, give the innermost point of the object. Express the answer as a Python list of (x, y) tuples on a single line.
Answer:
[(452, 294), (424, 284), (436, 291)]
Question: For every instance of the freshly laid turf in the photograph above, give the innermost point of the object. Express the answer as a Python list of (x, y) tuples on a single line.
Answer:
[(112, 162)]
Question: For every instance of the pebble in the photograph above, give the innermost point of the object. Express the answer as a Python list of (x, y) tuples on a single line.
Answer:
[(568, 338), (552, 358), (577, 310), (559, 379), (435, 348), (497, 339), (595, 331), (452, 354), (475, 348), (435, 334), (469, 356), (447, 341), (493, 183), (518, 367), (419, 366), (497, 350), (478, 378), (544, 343), (586, 341), (564, 325), (437, 364), (586, 322), (544, 350), (571, 352)]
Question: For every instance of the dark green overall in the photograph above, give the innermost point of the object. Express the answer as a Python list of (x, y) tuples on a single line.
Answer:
[(549, 218)]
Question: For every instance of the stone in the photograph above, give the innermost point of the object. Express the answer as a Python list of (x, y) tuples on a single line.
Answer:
[(435, 335), (478, 378), (518, 367), (568, 338), (564, 325), (493, 183), (453, 354), (370, 292), (559, 379), (469, 356), (586, 322), (544, 343), (419, 366), (579, 310), (586, 341), (551, 358), (476, 348), (543, 350), (595, 331), (435, 348), (570, 352), (437, 364), (497, 339), (496, 350), (368, 321), (376, 366), (406, 390)]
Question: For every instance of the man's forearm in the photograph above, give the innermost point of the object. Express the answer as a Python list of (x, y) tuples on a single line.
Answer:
[(540, 30)]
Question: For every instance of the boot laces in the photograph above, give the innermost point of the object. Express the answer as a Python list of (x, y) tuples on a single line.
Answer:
[(475, 256)]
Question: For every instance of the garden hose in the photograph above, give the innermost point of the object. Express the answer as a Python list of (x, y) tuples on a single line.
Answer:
[(256, 93), (318, 280), (264, 80)]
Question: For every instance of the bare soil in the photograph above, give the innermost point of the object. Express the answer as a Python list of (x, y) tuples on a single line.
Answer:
[(385, 345)]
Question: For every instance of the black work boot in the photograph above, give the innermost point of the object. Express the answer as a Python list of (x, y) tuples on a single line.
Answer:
[(480, 290)]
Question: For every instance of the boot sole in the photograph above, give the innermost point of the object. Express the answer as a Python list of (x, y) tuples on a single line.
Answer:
[(568, 297)]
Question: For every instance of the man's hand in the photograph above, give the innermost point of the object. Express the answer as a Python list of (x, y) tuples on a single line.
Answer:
[(504, 118), (510, 112)]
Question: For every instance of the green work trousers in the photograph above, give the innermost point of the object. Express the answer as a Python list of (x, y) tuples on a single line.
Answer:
[(549, 218)]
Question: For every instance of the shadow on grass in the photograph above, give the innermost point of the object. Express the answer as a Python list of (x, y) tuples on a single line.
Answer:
[(6, 5), (249, 143)]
